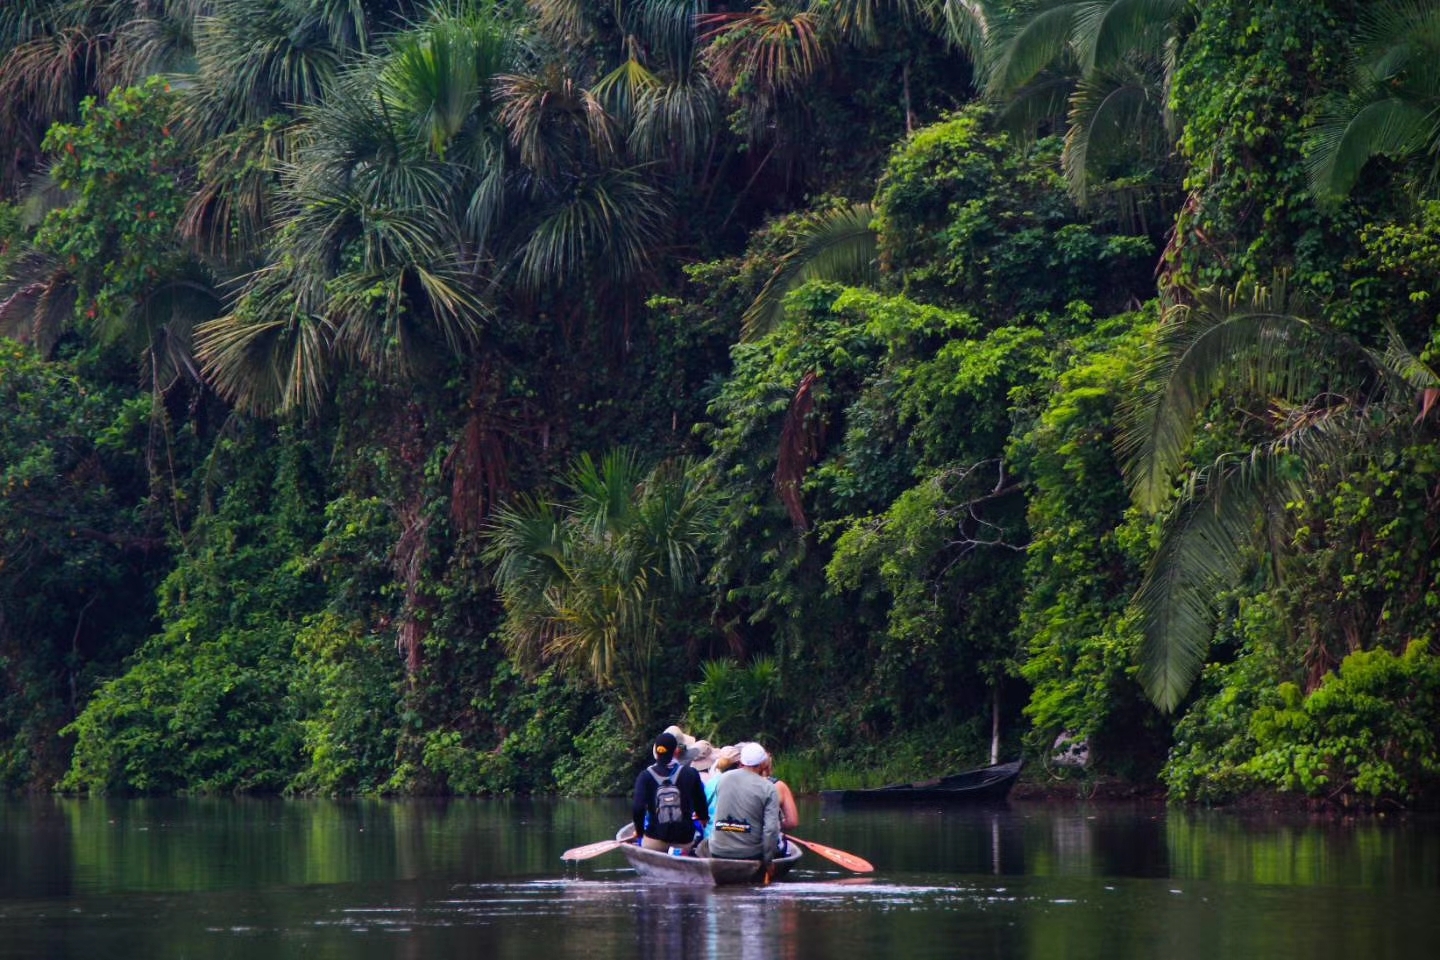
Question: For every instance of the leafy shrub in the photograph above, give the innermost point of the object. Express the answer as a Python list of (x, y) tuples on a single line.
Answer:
[(734, 702), (601, 761), (349, 680), (1367, 733), (192, 715)]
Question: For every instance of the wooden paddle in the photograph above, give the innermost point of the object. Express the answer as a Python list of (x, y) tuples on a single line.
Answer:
[(591, 849), (847, 860)]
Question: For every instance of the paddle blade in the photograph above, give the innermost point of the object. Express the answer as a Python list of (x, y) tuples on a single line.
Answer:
[(847, 860), (591, 850)]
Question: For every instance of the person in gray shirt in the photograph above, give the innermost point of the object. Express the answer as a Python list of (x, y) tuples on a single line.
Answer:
[(747, 811)]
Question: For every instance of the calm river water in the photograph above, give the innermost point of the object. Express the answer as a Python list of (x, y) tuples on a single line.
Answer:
[(482, 879)]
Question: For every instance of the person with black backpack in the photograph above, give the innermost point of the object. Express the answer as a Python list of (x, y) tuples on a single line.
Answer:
[(669, 801)]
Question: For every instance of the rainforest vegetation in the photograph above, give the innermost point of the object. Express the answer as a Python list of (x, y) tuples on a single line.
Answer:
[(441, 397)]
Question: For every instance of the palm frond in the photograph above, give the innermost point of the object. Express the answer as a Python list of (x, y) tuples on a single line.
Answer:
[(623, 88), (165, 322), (270, 355), (233, 207), (858, 18), (526, 545), (1392, 105), (613, 220), (1123, 27), (967, 24), (677, 515), (440, 76), (1203, 552), (1042, 40), (1110, 113), (838, 245), (776, 46), (1346, 141), (1251, 339), (566, 20), (1045, 98), (37, 301), (554, 122), (676, 121), (1413, 372), (254, 59), (1328, 401), (604, 490), (667, 29)]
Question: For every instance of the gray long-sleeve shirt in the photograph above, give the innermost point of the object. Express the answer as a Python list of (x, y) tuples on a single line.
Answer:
[(750, 805)]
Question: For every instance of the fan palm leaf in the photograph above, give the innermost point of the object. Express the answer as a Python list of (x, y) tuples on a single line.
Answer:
[(440, 76), (229, 214), (566, 20), (623, 89), (613, 221), (272, 353), (777, 46), (255, 59), (604, 491), (37, 301), (676, 120), (554, 122), (666, 28)]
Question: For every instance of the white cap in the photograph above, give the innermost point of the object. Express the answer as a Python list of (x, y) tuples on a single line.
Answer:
[(752, 755)]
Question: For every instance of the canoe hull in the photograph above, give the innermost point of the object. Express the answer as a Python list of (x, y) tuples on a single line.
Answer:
[(987, 785), (698, 871)]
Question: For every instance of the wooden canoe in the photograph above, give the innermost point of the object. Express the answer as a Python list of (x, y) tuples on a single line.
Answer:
[(980, 786), (697, 871)]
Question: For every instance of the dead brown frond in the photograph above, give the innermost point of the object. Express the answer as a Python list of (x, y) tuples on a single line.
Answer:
[(774, 46), (550, 116), (800, 440)]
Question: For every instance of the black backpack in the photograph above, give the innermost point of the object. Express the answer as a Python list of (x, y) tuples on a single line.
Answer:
[(669, 811)]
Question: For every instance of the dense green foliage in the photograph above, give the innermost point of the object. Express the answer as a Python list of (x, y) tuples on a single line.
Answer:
[(516, 378)]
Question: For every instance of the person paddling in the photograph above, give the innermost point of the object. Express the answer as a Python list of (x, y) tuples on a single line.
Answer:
[(668, 798)]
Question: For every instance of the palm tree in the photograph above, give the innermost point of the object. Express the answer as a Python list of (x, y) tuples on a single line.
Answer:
[(1322, 403), (375, 259), (588, 583), (257, 64), (1393, 105), (1108, 66), (379, 262)]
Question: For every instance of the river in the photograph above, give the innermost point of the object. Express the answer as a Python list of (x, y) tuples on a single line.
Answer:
[(272, 879)]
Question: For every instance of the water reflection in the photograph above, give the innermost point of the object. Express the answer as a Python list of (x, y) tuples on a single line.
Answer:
[(264, 880), (673, 923)]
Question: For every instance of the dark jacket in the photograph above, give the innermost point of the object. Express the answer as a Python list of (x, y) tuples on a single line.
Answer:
[(692, 802)]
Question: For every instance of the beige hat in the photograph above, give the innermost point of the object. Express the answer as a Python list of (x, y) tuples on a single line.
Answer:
[(684, 742), (702, 755), (727, 757)]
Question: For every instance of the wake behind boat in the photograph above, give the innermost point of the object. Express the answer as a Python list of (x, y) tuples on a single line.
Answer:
[(697, 871), (980, 786)]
